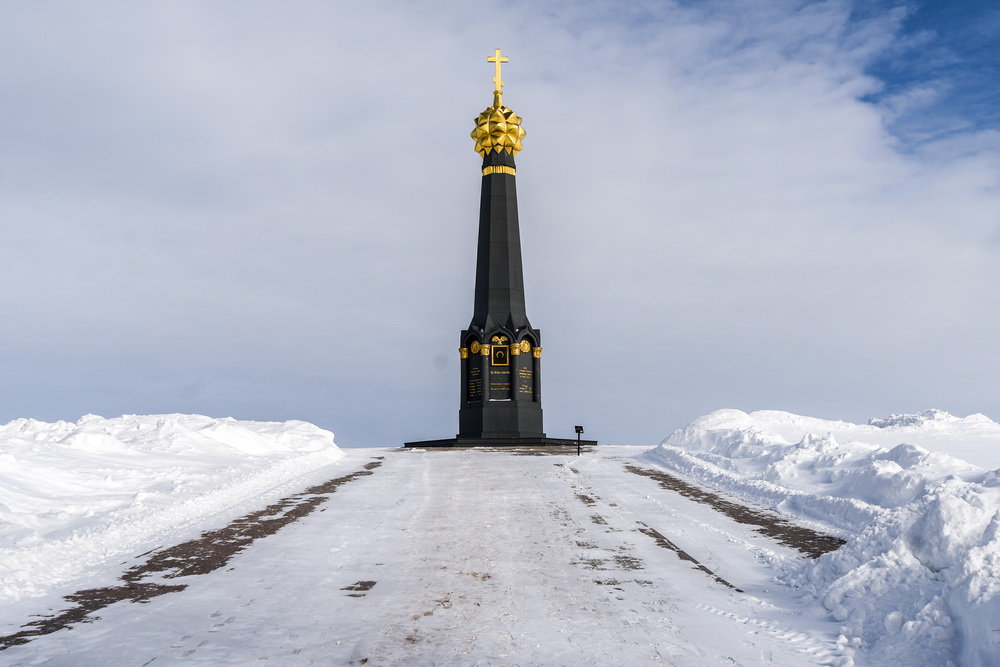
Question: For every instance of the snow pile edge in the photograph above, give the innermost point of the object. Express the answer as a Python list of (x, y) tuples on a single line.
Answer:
[(75, 494), (918, 581)]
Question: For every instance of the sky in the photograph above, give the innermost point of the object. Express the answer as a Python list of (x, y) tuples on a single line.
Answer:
[(268, 211)]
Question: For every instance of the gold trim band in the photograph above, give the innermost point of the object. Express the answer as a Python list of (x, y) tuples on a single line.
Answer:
[(499, 169)]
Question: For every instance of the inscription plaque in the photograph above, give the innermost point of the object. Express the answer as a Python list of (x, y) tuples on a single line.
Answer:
[(525, 383), (499, 384), (475, 384)]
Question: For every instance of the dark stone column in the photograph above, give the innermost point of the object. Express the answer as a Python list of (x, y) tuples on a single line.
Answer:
[(463, 353), (536, 362), (499, 310)]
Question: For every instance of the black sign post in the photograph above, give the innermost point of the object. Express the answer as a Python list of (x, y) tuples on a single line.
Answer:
[(579, 432)]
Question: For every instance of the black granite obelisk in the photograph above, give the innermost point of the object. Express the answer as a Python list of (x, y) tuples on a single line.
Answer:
[(501, 353)]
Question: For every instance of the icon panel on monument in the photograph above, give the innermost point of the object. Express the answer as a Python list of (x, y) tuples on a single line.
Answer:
[(501, 356)]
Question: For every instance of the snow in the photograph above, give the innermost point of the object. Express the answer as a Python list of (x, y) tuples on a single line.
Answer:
[(75, 495), (473, 557), (489, 557), (918, 581)]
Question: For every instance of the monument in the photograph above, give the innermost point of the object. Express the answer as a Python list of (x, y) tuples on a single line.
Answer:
[(500, 352)]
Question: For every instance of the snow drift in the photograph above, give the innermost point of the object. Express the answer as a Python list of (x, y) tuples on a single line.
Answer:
[(73, 494), (918, 581)]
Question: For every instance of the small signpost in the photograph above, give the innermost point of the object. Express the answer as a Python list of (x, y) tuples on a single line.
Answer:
[(579, 432)]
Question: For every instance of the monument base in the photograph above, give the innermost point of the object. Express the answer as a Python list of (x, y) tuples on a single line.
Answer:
[(501, 442)]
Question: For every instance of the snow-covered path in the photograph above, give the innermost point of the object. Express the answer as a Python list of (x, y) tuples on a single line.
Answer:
[(476, 557)]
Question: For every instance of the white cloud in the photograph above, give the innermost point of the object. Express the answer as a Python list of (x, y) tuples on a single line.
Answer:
[(279, 205)]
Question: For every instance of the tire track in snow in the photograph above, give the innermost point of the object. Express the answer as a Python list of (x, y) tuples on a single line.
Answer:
[(683, 555), (809, 542), (801, 642), (631, 563)]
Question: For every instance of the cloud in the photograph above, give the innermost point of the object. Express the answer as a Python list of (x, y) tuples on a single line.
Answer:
[(271, 214)]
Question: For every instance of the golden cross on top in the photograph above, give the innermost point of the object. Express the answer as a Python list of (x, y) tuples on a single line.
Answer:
[(498, 59)]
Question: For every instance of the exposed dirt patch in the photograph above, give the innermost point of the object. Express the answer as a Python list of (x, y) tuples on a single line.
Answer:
[(807, 541), (629, 563), (209, 552), (683, 555), (361, 587), (591, 563), (561, 515), (607, 582), (620, 584)]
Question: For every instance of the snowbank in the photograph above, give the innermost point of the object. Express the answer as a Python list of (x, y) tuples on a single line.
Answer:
[(919, 580), (72, 494)]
